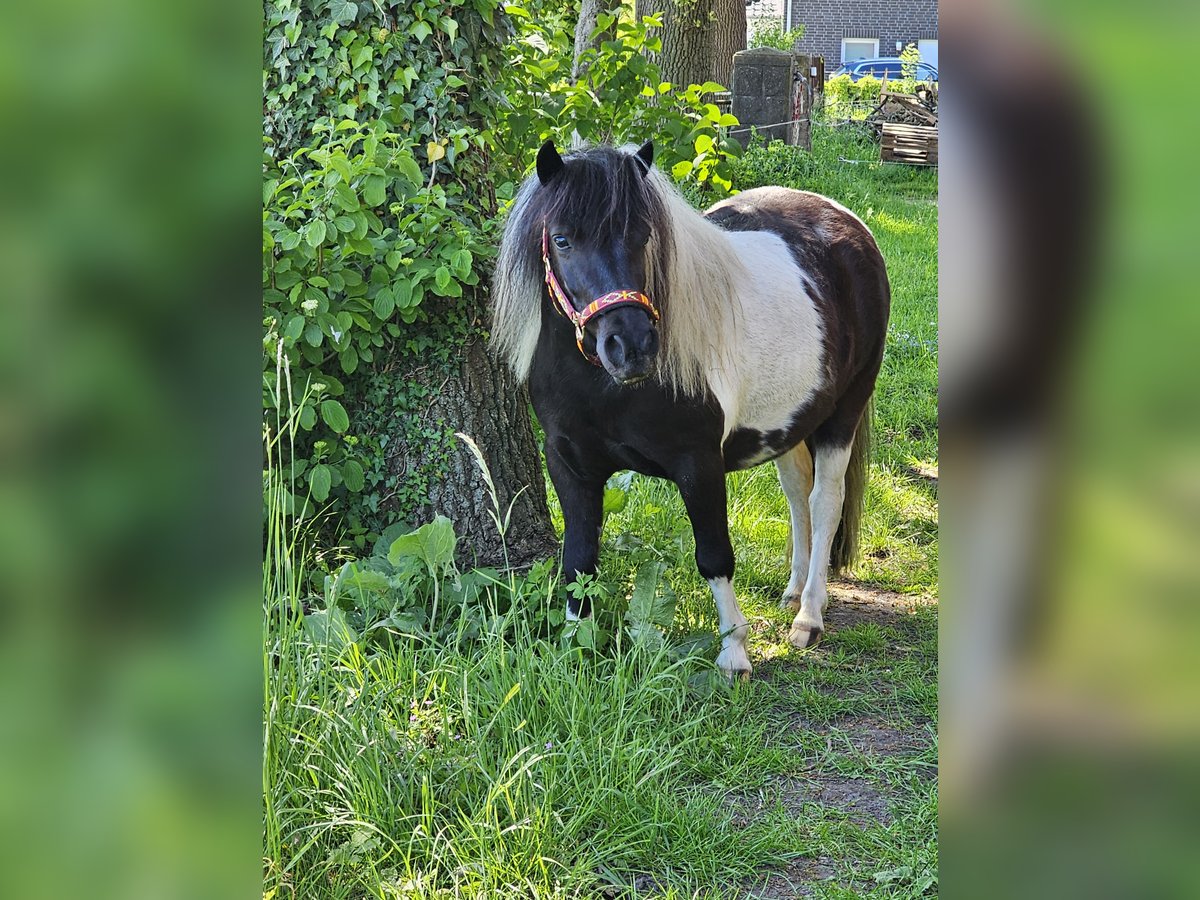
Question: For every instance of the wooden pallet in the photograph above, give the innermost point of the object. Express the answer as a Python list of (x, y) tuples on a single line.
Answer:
[(916, 145)]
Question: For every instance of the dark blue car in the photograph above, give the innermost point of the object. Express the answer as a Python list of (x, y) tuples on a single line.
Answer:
[(885, 65)]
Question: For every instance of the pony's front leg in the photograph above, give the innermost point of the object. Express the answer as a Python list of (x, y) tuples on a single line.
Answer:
[(703, 490), (825, 509), (582, 501)]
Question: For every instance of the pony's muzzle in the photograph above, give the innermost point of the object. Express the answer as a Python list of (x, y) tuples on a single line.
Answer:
[(627, 343)]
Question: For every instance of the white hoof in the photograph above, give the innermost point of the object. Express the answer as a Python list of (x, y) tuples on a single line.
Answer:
[(805, 634), (734, 662)]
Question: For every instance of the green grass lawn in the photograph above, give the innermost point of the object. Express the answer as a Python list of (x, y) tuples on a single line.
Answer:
[(513, 766)]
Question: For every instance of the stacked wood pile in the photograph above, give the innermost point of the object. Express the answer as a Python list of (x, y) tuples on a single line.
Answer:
[(906, 125), (916, 145)]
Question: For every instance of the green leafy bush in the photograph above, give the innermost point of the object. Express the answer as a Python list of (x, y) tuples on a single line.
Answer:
[(619, 98), (846, 99), (378, 218), (770, 32), (409, 588)]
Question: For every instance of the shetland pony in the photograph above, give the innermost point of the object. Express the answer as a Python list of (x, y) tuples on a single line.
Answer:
[(685, 346)]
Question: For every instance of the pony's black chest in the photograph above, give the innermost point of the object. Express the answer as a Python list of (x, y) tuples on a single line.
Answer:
[(599, 427)]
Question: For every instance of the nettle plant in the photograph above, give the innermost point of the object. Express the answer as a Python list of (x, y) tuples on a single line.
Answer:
[(620, 97)]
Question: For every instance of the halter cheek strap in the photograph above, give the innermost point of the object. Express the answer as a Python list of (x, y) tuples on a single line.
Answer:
[(604, 302)]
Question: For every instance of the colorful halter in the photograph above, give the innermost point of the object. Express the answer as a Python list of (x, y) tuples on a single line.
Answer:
[(600, 304)]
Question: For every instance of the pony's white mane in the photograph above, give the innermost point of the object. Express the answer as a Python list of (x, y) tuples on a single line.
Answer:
[(696, 295), (702, 317), (517, 287)]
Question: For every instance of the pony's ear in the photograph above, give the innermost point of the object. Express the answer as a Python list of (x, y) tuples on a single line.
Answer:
[(549, 163), (646, 155)]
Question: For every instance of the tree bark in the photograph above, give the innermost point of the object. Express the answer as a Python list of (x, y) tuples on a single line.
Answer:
[(728, 37), (588, 13), (686, 56), (479, 398)]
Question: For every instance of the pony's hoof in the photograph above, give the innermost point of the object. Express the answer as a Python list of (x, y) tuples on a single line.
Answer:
[(790, 602), (733, 676), (804, 636), (734, 665)]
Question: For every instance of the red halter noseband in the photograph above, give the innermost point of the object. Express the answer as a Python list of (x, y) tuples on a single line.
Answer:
[(600, 304)]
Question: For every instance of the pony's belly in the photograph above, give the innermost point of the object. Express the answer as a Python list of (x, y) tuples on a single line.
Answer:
[(748, 446)]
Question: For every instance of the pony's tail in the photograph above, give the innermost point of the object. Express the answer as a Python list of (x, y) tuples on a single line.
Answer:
[(845, 543)]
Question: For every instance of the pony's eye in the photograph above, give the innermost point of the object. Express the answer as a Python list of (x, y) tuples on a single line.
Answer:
[(561, 242)]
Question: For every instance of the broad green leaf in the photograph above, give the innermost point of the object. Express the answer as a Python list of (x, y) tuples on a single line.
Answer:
[(614, 500), (393, 259), (343, 11), (434, 151), (704, 143), (409, 168), (461, 261), (341, 165), (442, 277), (375, 190), (682, 168), (352, 474), (308, 418), (357, 578), (289, 240), (313, 334), (344, 224), (348, 360), (420, 30), (335, 415), (314, 232), (345, 197), (583, 632), (328, 627), (402, 291), (294, 328), (320, 479), (433, 543), (385, 303)]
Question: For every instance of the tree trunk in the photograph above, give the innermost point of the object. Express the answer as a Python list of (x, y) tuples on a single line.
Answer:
[(481, 399), (728, 37), (686, 39), (588, 12)]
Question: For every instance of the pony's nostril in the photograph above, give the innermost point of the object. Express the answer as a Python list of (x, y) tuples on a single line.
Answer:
[(614, 346), (649, 343)]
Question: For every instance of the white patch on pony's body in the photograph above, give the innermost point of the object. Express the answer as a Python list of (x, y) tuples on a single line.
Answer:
[(780, 361), (733, 659)]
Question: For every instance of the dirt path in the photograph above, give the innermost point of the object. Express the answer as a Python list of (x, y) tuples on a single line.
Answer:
[(866, 762)]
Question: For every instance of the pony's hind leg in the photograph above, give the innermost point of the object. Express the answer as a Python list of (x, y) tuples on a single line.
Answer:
[(825, 508), (796, 478)]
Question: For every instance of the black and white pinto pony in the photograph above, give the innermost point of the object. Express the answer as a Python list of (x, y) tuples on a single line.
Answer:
[(685, 346)]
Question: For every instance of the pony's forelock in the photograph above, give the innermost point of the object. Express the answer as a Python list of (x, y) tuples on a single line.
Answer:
[(691, 270)]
